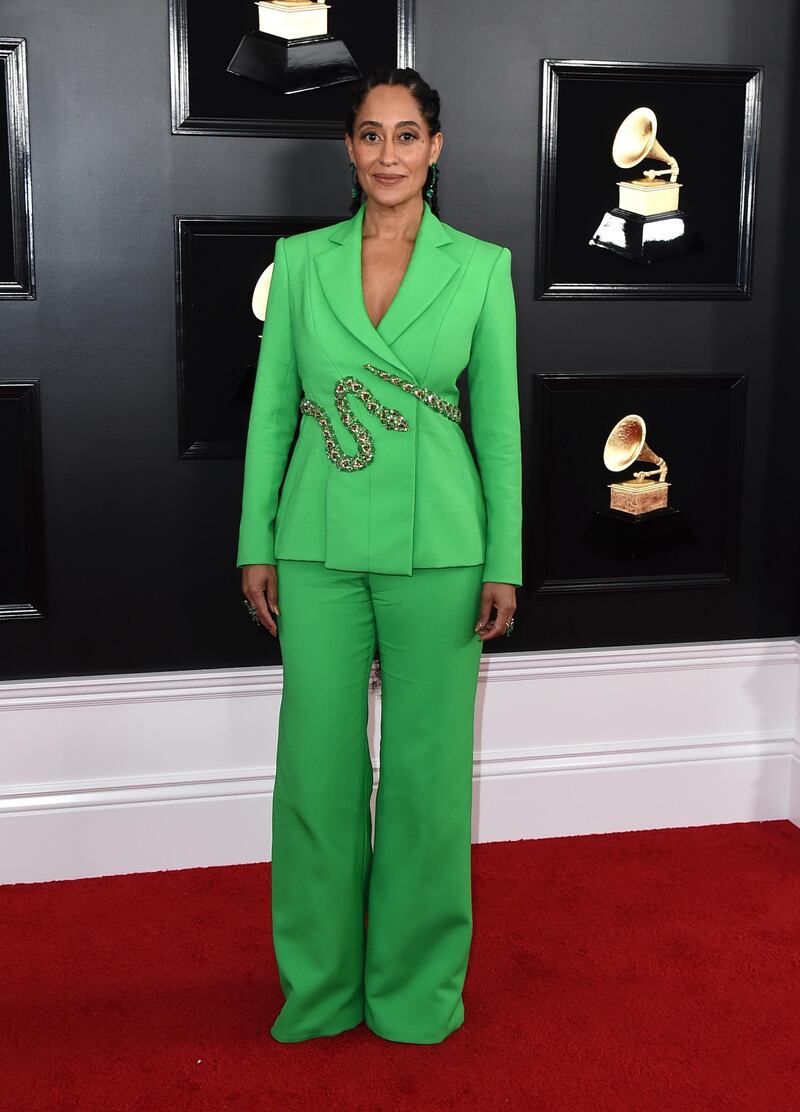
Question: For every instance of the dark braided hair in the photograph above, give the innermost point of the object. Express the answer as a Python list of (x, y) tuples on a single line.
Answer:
[(427, 99)]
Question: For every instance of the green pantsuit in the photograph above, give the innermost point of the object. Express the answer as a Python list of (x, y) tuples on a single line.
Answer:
[(361, 488), (404, 973)]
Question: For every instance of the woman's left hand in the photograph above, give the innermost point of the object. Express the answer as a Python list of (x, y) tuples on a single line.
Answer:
[(503, 597)]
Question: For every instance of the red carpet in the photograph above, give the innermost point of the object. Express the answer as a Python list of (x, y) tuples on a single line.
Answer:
[(635, 971)]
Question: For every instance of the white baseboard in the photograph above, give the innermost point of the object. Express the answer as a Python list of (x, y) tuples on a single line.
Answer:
[(130, 773)]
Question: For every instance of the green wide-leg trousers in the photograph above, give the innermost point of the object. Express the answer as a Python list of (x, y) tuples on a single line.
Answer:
[(380, 935)]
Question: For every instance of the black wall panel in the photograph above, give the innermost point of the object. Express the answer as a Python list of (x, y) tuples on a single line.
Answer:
[(140, 544)]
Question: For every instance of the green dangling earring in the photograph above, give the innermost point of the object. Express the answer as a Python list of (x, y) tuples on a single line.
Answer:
[(431, 190), (356, 188)]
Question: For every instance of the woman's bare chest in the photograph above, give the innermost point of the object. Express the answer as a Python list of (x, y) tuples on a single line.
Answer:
[(383, 267)]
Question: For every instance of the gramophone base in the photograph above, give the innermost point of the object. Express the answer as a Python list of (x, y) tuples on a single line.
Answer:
[(293, 65), (630, 537), (647, 239), (638, 498)]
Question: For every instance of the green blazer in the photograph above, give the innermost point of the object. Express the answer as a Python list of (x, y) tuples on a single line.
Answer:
[(406, 492)]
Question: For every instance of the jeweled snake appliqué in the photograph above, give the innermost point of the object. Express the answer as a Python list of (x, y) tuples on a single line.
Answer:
[(390, 418)]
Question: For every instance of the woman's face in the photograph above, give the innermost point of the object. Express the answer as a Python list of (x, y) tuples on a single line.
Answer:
[(391, 145)]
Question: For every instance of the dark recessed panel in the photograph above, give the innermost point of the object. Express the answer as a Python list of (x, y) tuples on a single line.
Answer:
[(207, 99), (597, 240), (219, 261), (21, 520), (694, 422)]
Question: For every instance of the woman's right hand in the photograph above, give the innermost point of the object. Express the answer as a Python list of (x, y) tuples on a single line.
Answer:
[(260, 588)]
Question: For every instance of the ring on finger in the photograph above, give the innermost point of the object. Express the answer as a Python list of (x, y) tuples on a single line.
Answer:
[(251, 610)]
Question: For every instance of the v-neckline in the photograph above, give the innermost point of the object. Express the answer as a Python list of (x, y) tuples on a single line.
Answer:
[(393, 302)]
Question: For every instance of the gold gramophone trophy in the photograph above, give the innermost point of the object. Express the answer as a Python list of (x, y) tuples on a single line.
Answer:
[(647, 224), (626, 445), (261, 293), (258, 303), (292, 52)]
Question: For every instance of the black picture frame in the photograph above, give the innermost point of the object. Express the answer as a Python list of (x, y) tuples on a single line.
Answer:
[(218, 260), (22, 550), (17, 278), (696, 421), (586, 101), (207, 100)]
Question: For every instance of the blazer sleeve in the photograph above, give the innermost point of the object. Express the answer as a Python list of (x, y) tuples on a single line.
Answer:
[(495, 423), (273, 420)]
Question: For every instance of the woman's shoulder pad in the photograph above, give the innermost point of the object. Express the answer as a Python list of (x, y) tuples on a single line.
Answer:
[(483, 249)]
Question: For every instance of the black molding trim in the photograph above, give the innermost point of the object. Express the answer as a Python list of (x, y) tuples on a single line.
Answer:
[(13, 52)]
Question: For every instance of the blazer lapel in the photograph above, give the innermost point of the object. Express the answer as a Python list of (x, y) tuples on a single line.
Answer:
[(428, 272)]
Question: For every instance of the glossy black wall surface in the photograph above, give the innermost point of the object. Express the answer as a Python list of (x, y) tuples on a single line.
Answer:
[(140, 545)]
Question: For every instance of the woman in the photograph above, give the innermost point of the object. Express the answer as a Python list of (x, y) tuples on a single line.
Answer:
[(385, 537)]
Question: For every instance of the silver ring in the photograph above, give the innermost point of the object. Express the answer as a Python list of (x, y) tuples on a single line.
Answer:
[(251, 610), (509, 627)]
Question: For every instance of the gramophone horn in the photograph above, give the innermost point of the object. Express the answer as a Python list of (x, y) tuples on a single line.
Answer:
[(626, 444), (261, 293), (636, 140)]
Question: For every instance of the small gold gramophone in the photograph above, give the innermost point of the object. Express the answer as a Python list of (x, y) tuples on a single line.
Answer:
[(626, 445), (647, 224)]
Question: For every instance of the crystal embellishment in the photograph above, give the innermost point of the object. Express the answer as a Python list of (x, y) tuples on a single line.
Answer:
[(389, 418)]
